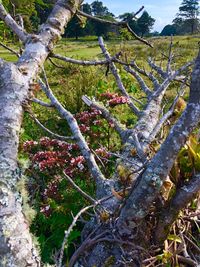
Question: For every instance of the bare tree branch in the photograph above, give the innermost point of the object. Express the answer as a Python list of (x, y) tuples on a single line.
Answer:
[(12, 24), (81, 62), (170, 57), (67, 233), (141, 82), (116, 23), (183, 197), (158, 69), (124, 24), (165, 117), (138, 37), (117, 77), (89, 157), (150, 183), (9, 49), (57, 136), (150, 75), (42, 103), (85, 195), (169, 78), (106, 114)]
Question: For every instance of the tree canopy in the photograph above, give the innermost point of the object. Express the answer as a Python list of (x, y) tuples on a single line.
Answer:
[(186, 21)]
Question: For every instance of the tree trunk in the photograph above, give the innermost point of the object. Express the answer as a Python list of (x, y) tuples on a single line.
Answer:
[(16, 245)]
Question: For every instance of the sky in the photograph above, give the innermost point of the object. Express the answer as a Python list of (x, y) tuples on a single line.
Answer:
[(161, 10)]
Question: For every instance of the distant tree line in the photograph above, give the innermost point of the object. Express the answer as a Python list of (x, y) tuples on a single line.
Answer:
[(35, 12), (79, 27), (186, 21)]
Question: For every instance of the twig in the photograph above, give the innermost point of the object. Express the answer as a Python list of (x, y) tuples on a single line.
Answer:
[(124, 24), (10, 49), (79, 62), (12, 24), (42, 103), (138, 37), (85, 195), (143, 72), (192, 243), (187, 260), (170, 78), (60, 137), (67, 233), (164, 118), (141, 82), (170, 57), (117, 77), (55, 64)]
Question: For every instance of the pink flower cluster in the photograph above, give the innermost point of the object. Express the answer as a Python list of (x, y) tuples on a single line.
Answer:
[(118, 101), (108, 95), (46, 210), (76, 165), (52, 189), (114, 99), (88, 118), (28, 145), (53, 155), (102, 152)]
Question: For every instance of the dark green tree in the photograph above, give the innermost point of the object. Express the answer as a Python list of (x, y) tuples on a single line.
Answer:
[(129, 17), (43, 8), (98, 9), (23, 8), (145, 23), (189, 11), (169, 30), (141, 26)]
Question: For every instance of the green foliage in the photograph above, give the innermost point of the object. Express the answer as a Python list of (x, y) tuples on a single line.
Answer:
[(187, 20), (187, 162), (145, 23), (168, 30), (141, 26)]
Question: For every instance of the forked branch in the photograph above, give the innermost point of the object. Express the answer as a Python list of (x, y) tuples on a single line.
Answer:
[(117, 77), (85, 150), (106, 115), (124, 24)]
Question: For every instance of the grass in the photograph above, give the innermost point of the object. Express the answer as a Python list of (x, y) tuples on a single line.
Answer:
[(71, 83)]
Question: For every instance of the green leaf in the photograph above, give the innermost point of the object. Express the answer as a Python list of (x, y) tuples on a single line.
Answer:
[(174, 238)]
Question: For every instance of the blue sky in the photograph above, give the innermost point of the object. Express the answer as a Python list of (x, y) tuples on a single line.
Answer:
[(163, 11)]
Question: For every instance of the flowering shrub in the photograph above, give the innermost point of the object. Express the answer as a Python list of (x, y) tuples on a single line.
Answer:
[(50, 193), (51, 157)]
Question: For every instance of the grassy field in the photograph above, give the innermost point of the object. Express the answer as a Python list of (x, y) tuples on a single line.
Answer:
[(88, 49), (73, 81)]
